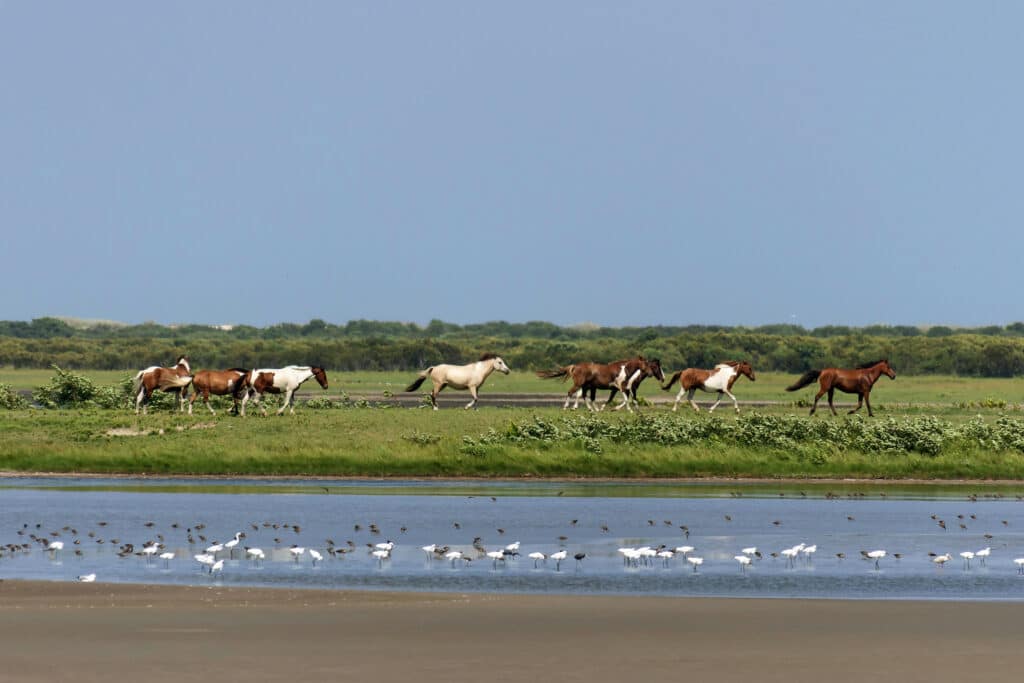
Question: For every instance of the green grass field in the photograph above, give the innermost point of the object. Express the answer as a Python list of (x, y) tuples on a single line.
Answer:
[(940, 390), (927, 427)]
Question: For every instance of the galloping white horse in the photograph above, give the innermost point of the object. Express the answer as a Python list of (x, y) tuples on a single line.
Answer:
[(720, 379), (283, 381), (470, 376), (155, 378)]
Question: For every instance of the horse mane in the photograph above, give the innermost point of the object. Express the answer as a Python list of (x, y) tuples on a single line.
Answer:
[(488, 356), (865, 366)]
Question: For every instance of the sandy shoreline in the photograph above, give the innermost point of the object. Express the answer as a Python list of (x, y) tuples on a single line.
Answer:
[(105, 632)]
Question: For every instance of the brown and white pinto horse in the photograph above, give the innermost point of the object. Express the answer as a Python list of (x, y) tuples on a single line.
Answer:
[(155, 378), (720, 379), (281, 381), (621, 375), (856, 381), (218, 382)]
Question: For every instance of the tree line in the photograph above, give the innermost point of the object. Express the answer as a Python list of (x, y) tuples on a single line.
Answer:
[(369, 345)]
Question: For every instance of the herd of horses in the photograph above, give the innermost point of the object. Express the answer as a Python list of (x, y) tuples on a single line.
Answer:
[(622, 376)]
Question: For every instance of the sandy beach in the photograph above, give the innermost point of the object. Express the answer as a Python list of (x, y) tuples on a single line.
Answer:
[(102, 632)]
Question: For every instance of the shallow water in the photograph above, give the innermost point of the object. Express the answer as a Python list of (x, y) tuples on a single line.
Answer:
[(721, 519)]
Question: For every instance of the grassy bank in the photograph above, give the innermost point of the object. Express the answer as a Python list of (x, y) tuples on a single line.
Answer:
[(518, 443)]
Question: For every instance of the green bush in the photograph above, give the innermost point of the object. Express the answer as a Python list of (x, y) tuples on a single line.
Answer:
[(11, 399)]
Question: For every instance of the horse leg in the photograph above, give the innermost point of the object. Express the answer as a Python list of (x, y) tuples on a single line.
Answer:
[(139, 398), (614, 391), (817, 397), (206, 400), (433, 394), (715, 405), (689, 397), (287, 401), (867, 400), (860, 402), (735, 403), (831, 394), (472, 392), (679, 397)]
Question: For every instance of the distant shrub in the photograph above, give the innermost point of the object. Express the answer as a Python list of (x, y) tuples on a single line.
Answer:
[(10, 399)]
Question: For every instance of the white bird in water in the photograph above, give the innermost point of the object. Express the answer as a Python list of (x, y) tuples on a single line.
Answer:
[(696, 562), (387, 545), (1020, 564), (215, 548), (496, 555), (315, 554), (983, 554), (255, 554), (876, 555), (55, 546), (968, 556), (941, 560), (429, 550), (204, 559), (666, 556), (513, 547), (87, 578), (296, 551), (744, 560), (217, 566), (558, 557), (230, 545), (453, 555), (537, 557), (752, 550), (808, 551), (684, 550), (167, 557)]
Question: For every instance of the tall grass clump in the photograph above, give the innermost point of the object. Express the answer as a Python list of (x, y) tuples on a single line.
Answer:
[(10, 399)]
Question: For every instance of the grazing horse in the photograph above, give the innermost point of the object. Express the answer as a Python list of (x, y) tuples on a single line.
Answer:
[(856, 381), (151, 379), (219, 382), (620, 375), (720, 379), (280, 381), (470, 377)]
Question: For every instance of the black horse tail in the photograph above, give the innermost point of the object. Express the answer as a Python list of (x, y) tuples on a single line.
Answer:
[(671, 381), (557, 372), (242, 385), (804, 380), (419, 380)]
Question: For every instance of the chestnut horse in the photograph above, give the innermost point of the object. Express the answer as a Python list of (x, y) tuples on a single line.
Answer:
[(720, 379), (856, 381), (620, 375), (471, 376), (279, 381), (155, 378), (218, 382)]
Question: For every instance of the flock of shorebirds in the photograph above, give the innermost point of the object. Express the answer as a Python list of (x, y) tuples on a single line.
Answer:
[(213, 556)]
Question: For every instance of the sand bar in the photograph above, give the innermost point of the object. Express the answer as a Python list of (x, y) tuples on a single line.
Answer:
[(104, 632)]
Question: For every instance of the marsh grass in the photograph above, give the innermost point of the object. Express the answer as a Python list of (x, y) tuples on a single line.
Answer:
[(509, 442)]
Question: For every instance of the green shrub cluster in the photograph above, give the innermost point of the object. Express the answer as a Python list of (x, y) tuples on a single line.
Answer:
[(10, 399), (924, 435)]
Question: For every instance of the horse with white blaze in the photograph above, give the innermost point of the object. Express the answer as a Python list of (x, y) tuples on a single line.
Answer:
[(155, 378)]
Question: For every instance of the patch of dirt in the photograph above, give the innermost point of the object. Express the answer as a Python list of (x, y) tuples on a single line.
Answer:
[(131, 431)]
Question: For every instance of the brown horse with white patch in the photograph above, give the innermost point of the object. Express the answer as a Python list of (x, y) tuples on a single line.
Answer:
[(279, 381), (155, 378), (217, 382), (621, 375), (720, 379), (858, 381)]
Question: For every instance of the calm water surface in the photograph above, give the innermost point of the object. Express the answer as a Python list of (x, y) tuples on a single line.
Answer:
[(593, 519)]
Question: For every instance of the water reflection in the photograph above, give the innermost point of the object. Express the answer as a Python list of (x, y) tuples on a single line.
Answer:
[(106, 524)]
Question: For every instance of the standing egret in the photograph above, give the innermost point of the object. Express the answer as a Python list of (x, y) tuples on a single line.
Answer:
[(558, 557), (537, 557), (983, 554), (941, 560), (87, 578), (315, 554), (1020, 564), (876, 555), (167, 557), (968, 556), (696, 562), (744, 560)]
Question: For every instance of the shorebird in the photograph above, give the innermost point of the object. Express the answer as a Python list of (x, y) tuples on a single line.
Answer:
[(983, 554), (696, 562), (453, 555), (666, 556), (537, 557), (217, 566), (941, 560), (315, 554), (496, 555), (558, 557), (752, 550), (87, 578), (167, 557), (876, 555), (230, 545), (381, 555), (968, 556), (744, 560), (255, 554), (1020, 564), (296, 551), (579, 559)]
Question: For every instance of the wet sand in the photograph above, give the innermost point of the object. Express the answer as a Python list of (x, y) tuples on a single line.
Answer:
[(103, 632)]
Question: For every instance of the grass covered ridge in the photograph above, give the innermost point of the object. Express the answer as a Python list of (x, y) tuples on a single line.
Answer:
[(392, 442)]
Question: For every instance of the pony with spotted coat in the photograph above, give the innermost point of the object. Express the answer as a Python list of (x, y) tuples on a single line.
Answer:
[(278, 381), (156, 378), (718, 380)]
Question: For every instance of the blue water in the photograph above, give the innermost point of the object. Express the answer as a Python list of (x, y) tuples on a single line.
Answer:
[(412, 514)]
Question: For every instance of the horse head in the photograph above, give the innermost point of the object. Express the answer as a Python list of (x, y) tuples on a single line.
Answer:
[(183, 360), (654, 369), (887, 369), (500, 366), (745, 368), (320, 374)]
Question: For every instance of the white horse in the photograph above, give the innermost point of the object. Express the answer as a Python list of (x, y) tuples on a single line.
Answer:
[(156, 378), (470, 376), (282, 381)]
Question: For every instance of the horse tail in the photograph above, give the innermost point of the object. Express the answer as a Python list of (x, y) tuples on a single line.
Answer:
[(242, 385), (419, 380), (671, 381), (557, 372), (804, 380), (137, 382)]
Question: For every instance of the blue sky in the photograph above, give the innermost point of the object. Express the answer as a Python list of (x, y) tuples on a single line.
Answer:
[(620, 163)]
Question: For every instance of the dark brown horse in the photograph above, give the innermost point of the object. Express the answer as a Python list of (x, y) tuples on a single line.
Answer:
[(218, 382), (720, 379), (155, 378), (621, 375), (856, 381)]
